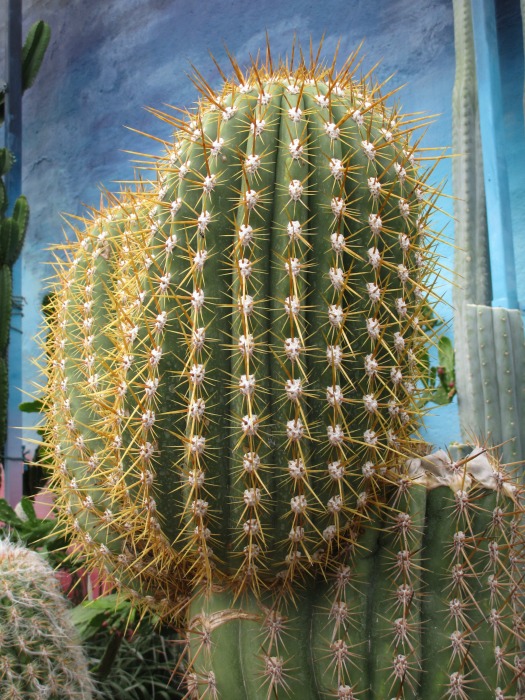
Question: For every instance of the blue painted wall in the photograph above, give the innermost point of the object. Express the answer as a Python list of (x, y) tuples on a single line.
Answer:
[(109, 59), (510, 37)]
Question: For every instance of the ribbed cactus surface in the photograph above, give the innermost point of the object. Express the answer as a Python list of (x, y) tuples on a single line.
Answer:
[(489, 342), (425, 603), (40, 655), (234, 344)]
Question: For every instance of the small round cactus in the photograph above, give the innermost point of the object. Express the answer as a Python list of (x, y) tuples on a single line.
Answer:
[(40, 655)]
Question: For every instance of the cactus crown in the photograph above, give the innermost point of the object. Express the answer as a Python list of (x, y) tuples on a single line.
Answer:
[(234, 348)]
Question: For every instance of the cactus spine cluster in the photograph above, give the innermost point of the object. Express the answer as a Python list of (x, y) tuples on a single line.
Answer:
[(40, 655), (233, 365)]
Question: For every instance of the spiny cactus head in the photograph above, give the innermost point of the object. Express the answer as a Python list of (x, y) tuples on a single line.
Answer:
[(41, 654), (234, 349)]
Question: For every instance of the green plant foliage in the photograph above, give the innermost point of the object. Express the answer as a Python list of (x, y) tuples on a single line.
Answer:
[(130, 659), (34, 406), (445, 372), (38, 534), (33, 52), (439, 380)]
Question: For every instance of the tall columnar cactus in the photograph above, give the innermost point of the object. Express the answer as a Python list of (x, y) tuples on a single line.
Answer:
[(12, 234), (13, 228), (489, 342), (233, 377), (40, 655), (33, 51)]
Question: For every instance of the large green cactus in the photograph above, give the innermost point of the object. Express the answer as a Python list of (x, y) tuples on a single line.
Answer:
[(40, 654), (233, 378), (235, 348)]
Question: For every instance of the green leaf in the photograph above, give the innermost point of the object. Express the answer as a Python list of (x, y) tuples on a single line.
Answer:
[(87, 620), (89, 615), (35, 533), (103, 669), (8, 515), (446, 354), (33, 51), (440, 396), (31, 406), (29, 509)]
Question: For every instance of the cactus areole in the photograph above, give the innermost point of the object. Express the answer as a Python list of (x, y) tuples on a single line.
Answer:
[(234, 362)]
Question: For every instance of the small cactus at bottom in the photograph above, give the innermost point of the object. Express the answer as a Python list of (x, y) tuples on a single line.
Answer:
[(426, 603), (40, 655)]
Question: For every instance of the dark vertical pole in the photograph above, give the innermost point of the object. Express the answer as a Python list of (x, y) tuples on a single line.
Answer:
[(13, 462)]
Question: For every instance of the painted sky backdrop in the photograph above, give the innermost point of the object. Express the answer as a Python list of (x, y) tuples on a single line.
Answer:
[(110, 59)]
